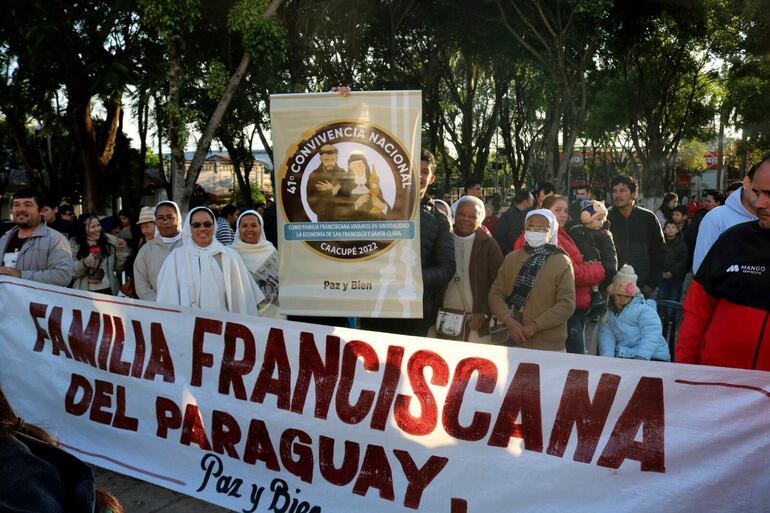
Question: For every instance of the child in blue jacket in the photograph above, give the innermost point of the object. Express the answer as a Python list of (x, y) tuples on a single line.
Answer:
[(631, 328)]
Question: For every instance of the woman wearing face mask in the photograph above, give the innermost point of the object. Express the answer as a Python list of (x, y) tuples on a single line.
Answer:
[(587, 274), (534, 292), (205, 274), (260, 257), (477, 258)]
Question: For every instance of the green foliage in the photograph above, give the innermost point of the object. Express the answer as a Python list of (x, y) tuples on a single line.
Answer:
[(257, 196), (692, 157), (748, 83), (170, 18), (185, 115), (263, 38), (216, 79), (654, 89), (151, 158)]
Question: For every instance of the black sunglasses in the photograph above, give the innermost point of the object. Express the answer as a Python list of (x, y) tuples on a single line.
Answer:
[(205, 224)]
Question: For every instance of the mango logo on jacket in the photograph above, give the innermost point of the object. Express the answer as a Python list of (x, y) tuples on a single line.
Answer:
[(746, 269)]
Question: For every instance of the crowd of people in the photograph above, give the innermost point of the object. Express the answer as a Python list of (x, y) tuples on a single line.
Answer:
[(155, 257), (531, 276)]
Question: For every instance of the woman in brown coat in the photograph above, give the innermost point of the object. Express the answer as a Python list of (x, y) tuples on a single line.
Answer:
[(477, 259), (534, 292)]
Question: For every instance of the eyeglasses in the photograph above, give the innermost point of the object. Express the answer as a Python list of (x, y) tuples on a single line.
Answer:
[(165, 219), (205, 224), (328, 152)]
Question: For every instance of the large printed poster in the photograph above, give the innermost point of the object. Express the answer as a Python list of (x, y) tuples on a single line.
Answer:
[(270, 416), (347, 174)]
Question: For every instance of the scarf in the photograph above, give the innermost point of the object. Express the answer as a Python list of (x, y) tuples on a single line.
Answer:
[(528, 273), (254, 255), (168, 240), (524, 282)]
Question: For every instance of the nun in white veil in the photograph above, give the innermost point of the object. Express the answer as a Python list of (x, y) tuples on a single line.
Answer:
[(260, 257), (205, 274)]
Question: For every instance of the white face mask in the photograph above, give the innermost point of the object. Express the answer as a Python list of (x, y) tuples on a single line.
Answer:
[(535, 239)]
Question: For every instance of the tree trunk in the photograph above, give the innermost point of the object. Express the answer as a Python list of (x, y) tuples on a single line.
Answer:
[(721, 150), (271, 156), (93, 198), (140, 168), (175, 128), (204, 143), (551, 143), (562, 175), (184, 181), (654, 170), (244, 186), (744, 157), (164, 179), (94, 160)]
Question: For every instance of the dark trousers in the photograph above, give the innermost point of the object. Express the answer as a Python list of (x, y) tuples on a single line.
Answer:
[(671, 290), (340, 322), (414, 327), (575, 332)]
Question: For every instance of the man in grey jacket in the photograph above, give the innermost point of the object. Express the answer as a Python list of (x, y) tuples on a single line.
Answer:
[(151, 256), (31, 250)]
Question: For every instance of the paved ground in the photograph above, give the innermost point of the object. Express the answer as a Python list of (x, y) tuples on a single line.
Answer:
[(141, 497)]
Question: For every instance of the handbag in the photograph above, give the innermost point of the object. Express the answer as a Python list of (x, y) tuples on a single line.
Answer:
[(453, 324), (499, 334), (127, 289)]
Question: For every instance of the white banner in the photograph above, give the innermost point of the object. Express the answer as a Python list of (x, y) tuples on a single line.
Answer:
[(270, 416)]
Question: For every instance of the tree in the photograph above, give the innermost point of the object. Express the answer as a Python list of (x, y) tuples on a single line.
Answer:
[(470, 114), (670, 101), (9, 161), (175, 22), (521, 114), (77, 53), (563, 38), (692, 156)]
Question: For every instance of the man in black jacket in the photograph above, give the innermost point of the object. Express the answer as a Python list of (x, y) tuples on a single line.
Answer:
[(511, 223), (437, 258), (637, 234)]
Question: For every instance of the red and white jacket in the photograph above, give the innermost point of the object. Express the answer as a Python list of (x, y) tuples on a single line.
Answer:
[(727, 308)]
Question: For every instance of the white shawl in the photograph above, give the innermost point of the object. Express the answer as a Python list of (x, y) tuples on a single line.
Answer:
[(253, 255), (211, 278)]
